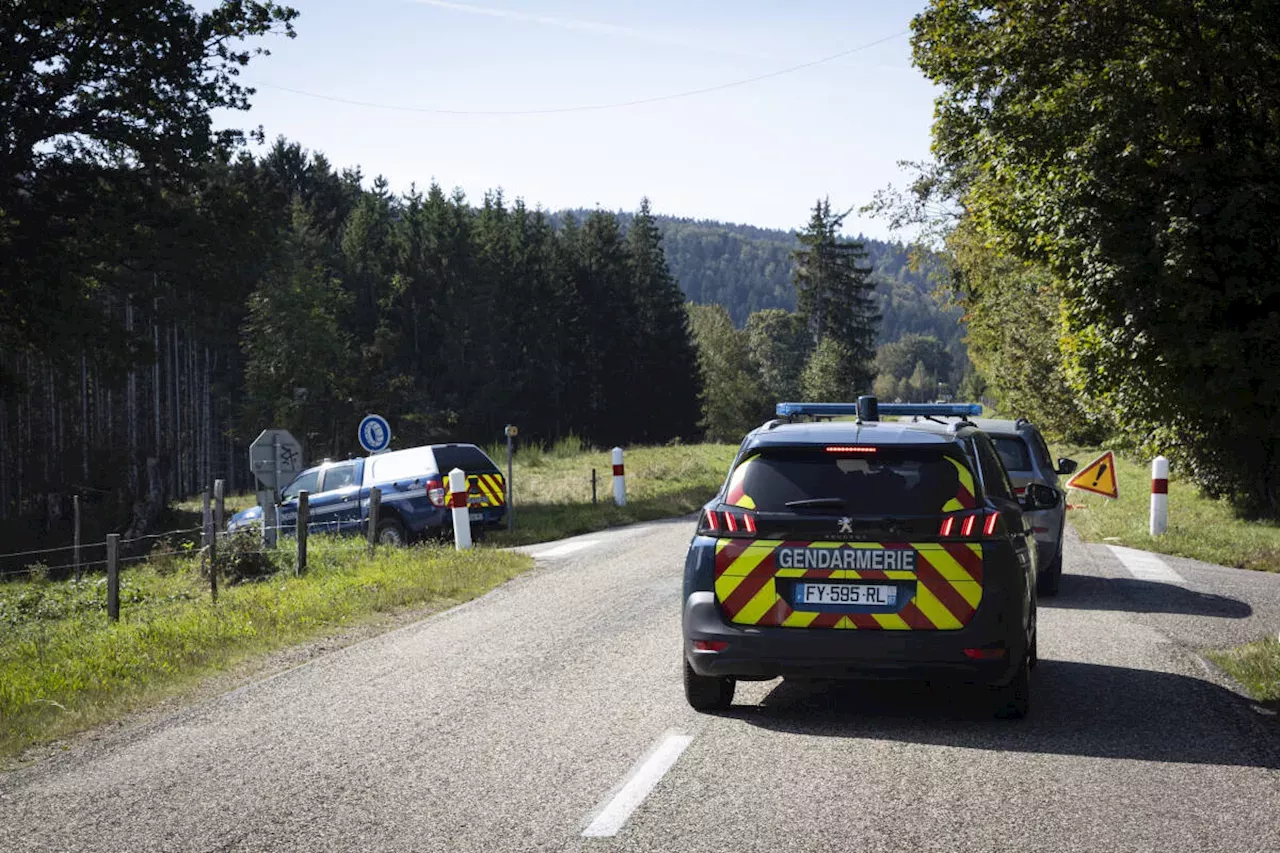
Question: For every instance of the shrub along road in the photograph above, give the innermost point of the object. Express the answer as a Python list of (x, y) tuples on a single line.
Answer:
[(511, 723)]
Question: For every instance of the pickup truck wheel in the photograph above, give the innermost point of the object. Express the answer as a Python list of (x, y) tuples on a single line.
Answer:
[(391, 532), (1050, 577)]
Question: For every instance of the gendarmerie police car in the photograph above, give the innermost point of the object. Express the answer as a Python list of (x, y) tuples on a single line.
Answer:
[(863, 548)]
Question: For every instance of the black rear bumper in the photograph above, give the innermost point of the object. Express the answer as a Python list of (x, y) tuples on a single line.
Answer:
[(762, 653)]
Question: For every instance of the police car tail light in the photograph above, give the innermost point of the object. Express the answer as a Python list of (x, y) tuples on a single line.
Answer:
[(989, 527), (435, 491), (948, 524), (727, 523), (966, 529)]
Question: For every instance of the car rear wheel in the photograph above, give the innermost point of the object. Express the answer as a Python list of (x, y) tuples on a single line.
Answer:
[(707, 692), (1048, 581), (1013, 700), (391, 532)]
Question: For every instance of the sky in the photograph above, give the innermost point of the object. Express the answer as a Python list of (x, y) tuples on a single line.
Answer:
[(569, 103)]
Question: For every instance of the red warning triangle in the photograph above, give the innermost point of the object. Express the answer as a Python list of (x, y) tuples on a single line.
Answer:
[(1099, 477)]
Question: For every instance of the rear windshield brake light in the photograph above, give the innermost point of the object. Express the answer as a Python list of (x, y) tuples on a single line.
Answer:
[(850, 448)]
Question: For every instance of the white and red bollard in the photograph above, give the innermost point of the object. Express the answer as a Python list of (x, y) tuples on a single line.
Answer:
[(619, 479), (461, 514), (1159, 495)]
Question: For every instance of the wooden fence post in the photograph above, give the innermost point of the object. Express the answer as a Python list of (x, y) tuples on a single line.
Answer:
[(219, 505), (113, 576), (375, 503), (304, 522), (211, 542), (75, 510)]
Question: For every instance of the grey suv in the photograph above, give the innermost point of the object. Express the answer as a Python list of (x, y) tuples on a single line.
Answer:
[(1026, 456)]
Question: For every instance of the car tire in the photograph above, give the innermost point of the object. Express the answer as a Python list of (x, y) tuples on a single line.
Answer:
[(1049, 580), (707, 692), (391, 532), (1013, 700)]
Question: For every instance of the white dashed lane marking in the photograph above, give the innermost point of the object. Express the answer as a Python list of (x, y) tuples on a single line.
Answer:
[(643, 779), (1146, 566), (566, 549)]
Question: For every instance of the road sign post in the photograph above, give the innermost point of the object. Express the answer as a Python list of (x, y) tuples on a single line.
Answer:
[(511, 432)]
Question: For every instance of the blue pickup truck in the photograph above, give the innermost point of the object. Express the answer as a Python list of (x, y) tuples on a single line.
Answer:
[(414, 483)]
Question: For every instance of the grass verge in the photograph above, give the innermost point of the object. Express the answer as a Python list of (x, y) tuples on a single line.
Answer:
[(64, 667), (1257, 667), (553, 487), (1199, 527)]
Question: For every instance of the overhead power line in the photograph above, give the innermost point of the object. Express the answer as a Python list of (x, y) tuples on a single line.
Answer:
[(590, 107)]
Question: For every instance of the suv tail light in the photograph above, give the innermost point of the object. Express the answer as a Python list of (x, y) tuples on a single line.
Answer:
[(727, 523), (973, 525), (435, 491)]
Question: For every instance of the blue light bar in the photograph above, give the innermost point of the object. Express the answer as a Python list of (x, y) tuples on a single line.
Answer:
[(828, 410), (786, 410), (936, 410)]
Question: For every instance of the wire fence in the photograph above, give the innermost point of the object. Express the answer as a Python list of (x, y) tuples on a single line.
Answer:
[(218, 549)]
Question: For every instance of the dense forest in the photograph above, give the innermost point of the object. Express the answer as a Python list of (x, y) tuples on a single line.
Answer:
[(748, 269)]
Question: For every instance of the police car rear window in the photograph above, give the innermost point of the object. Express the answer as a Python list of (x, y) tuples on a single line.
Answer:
[(1014, 452), (467, 457), (890, 481)]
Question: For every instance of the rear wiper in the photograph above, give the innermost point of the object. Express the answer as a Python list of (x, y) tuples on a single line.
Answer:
[(815, 502)]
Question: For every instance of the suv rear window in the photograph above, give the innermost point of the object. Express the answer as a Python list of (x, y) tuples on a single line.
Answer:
[(891, 481), (468, 457), (1013, 451)]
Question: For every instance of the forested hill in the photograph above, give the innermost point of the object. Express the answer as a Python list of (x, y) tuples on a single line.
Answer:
[(746, 269)]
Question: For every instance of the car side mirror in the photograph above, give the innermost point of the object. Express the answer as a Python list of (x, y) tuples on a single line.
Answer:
[(1039, 496), (1066, 466)]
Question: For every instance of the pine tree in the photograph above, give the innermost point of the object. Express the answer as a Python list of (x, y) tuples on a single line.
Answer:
[(835, 295), (666, 360)]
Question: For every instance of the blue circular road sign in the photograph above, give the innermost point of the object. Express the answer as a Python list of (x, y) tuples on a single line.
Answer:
[(375, 433)]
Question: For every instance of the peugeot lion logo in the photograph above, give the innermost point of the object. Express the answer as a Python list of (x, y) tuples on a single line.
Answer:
[(846, 525)]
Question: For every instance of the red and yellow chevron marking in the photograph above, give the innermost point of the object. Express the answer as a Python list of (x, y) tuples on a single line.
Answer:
[(947, 576), (964, 498), (484, 489), (735, 495)]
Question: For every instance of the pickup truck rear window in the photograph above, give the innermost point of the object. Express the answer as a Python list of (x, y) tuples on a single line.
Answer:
[(468, 457), (890, 481), (1013, 451)]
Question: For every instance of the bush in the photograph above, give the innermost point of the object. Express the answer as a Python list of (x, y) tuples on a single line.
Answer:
[(242, 559)]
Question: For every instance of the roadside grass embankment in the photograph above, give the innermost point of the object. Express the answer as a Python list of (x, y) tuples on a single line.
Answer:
[(65, 667), (1201, 528), (553, 487), (1257, 667)]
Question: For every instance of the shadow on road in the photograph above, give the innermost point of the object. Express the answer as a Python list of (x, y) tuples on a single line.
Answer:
[(1079, 709), (1083, 592)]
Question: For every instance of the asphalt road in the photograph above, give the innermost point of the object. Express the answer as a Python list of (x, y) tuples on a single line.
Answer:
[(553, 706)]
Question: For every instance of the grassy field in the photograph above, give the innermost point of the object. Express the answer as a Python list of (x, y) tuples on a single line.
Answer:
[(553, 487), (1257, 667), (64, 667), (1199, 527)]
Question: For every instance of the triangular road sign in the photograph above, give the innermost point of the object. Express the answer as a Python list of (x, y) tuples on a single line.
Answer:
[(1099, 477)]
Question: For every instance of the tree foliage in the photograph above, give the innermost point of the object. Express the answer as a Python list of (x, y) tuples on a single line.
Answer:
[(834, 294), (1131, 148), (733, 401)]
